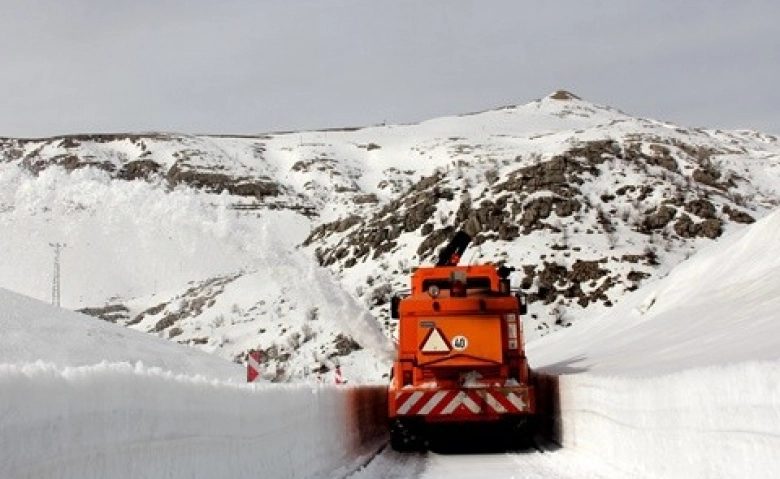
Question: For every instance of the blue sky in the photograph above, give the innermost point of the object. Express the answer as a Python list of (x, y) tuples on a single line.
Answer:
[(244, 67)]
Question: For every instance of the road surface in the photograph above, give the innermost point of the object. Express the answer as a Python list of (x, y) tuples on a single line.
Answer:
[(550, 463)]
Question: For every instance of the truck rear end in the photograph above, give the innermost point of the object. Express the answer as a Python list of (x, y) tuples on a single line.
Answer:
[(460, 360)]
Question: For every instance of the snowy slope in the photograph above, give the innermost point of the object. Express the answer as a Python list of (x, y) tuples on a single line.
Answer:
[(35, 332), (186, 265), (718, 307)]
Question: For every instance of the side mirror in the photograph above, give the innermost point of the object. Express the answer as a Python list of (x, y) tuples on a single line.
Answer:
[(522, 304), (394, 302)]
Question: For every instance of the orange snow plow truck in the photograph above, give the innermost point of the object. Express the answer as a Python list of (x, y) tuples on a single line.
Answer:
[(461, 364)]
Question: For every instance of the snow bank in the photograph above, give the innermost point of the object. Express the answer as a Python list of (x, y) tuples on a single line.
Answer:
[(709, 422), (682, 378), (117, 420)]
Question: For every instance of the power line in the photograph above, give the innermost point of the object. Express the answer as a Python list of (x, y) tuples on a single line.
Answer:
[(55, 289)]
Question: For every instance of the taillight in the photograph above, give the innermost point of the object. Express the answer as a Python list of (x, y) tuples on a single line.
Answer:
[(458, 283), (458, 288), (511, 331)]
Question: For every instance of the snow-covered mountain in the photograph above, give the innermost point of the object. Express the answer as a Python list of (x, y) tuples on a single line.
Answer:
[(219, 242)]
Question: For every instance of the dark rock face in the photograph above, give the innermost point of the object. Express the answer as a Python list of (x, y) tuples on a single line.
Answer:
[(69, 162), (737, 216), (406, 214), (708, 176), (661, 156), (139, 170), (658, 220), (215, 182), (561, 173), (685, 227), (701, 208), (587, 271), (190, 304), (345, 345), (112, 313), (709, 228), (191, 167), (564, 95), (556, 282)]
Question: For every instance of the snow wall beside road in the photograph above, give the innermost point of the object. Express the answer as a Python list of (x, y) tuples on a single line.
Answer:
[(706, 422), (122, 421)]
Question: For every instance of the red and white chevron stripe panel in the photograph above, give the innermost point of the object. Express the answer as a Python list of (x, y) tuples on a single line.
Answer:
[(461, 402), (253, 368)]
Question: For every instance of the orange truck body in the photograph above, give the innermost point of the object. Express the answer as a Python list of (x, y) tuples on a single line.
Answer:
[(461, 356)]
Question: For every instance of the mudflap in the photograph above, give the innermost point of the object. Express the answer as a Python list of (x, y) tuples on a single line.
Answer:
[(520, 433), (506, 434)]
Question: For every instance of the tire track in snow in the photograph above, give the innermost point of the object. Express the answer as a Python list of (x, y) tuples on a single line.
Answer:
[(552, 463), (389, 464)]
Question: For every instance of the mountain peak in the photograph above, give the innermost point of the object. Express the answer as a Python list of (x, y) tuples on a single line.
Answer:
[(563, 95)]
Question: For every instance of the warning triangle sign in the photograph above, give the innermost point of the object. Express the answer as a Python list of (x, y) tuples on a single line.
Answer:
[(435, 342)]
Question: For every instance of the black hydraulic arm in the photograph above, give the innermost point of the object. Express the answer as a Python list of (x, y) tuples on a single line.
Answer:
[(450, 254)]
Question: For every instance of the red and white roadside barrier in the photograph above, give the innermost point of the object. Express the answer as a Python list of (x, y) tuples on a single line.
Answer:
[(253, 367)]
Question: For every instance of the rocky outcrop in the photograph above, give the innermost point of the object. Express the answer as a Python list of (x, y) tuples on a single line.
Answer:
[(708, 176), (140, 170), (112, 313), (685, 227), (737, 216), (657, 219), (217, 182), (701, 207), (556, 283), (407, 214)]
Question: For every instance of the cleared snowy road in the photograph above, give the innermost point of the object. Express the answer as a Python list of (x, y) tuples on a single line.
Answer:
[(550, 464)]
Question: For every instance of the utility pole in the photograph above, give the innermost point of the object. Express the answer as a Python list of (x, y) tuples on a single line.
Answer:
[(55, 289)]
